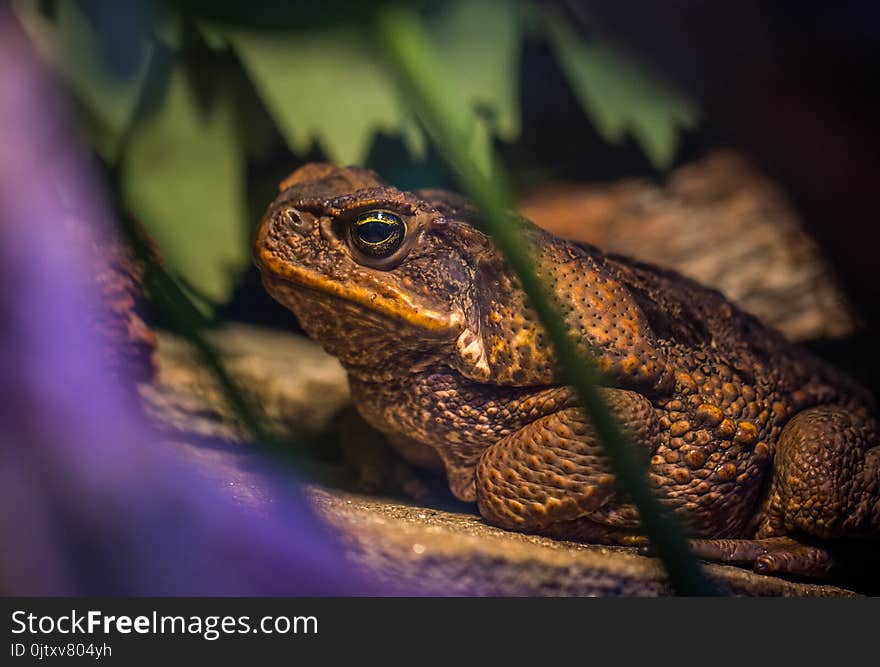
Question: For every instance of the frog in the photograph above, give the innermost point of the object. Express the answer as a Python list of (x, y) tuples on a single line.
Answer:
[(767, 455)]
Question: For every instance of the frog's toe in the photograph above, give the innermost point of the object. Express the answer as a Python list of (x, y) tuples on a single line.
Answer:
[(773, 555)]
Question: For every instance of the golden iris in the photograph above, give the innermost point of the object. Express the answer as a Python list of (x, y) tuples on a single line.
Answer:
[(377, 233)]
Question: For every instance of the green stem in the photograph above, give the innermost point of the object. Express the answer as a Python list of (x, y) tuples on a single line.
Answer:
[(420, 75), (185, 320)]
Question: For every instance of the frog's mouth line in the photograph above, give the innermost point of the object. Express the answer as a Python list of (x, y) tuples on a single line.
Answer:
[(382, 299)]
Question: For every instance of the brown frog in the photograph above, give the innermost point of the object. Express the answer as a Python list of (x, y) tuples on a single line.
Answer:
[(765, 453)]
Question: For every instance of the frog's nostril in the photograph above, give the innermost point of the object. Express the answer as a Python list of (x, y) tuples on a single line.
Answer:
[(290, 219)]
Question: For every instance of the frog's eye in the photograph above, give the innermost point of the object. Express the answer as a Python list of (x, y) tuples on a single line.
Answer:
[(377, 233)]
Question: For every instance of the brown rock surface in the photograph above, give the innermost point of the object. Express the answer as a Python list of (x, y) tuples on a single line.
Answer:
[(719, 221), (419, 545)]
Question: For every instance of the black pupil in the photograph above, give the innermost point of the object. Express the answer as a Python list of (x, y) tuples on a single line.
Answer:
[(378, 233), (375, 232)]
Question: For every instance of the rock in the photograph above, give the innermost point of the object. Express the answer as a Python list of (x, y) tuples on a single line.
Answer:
[(298, 386), (425, 546), (719, 221), (456, 553)]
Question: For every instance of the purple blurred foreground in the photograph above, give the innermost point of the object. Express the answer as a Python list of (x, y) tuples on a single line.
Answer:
[(90, 504)]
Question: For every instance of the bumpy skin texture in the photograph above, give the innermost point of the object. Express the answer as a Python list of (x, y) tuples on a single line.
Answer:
[(758, 447)]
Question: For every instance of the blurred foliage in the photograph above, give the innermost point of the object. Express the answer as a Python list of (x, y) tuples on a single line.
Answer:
[(176, 97), (72, 43), (325, 88), (618, 96), (183, 175)]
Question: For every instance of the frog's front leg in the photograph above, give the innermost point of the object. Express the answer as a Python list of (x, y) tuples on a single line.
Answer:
[(824, 492), (376, 462), (551, 476)]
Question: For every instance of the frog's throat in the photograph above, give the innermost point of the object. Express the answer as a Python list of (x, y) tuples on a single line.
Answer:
[(379, 298)]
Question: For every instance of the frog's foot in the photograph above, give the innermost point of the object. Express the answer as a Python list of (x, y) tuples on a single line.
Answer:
[(772, 555), (826, 477)]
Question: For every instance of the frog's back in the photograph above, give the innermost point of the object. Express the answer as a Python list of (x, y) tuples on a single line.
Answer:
[(698, 322)]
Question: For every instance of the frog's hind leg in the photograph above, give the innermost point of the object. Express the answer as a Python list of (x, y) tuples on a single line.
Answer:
[(551, 477), (824, 493)]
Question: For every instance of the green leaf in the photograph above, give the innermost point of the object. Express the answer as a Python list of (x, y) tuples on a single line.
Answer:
[(182, 176), (480, 42), (327, 86), (480, 147), (169, 30), (414, 139), (331, 86), (215, 39), (70, 44), (619, 96)]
